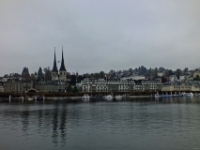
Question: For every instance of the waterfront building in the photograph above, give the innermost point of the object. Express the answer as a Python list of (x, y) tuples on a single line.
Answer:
[(173, 78), (109, 85), (15, 85), (196, 74), (182, 77), (1, 87), (134, 77), (147, 85), (102, 85), (180, 87), (50, 86), (160, 74)]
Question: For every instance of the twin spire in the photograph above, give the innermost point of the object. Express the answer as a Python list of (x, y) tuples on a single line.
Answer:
[(62, 67)]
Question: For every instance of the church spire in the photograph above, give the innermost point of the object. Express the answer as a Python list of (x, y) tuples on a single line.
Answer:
[(62, 67), (54, 63)]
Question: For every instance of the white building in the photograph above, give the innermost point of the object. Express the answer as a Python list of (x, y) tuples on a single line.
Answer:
[(160, 74), (101, 85), (1, 87), (180, 87), (134, 77), (173, 78)]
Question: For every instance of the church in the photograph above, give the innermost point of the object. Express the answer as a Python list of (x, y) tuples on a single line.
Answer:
[(60, 75), (58, 78)]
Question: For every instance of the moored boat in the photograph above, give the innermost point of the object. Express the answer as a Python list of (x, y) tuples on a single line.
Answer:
[(188, 94), (157, 95), (108, 97), (118, 97), (86, 97), (30, 99)]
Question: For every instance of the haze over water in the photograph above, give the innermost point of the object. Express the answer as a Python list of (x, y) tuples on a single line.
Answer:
[(140, 124)]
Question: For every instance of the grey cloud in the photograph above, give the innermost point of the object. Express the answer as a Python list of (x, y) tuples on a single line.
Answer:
[(99, 35)]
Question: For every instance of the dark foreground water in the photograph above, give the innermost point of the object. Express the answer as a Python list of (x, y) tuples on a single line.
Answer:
[(167, 124)]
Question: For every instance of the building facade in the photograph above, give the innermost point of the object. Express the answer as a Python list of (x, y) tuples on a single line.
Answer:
[(148, 86), (50, 86), (17, 85), (180, 87), (1, 87), (196, 74), (101, 85)]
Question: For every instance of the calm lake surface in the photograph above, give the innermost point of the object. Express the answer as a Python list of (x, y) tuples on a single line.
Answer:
[(139, 124)]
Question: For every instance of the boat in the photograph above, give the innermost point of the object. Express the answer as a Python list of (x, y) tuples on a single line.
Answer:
[(38, 98), (86, 97), (118, 97), (188, 94), (176, 94), (157, 95), (30, 99), (108, 97), (166, 95)]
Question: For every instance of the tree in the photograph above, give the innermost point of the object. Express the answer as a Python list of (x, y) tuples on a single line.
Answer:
[(185, 70), (112, 73), (130, 70), (166, 73), (161, 69), (6, 76), (155, 73), (150, 72), (178, 73), (143, 70), (40, 76), (33, 78), (80, 78), (139, 70), (73, 80), (87, 75), (96, 75), (164, 79), (47, 73), (171, 72), (197, 77), (69, 88), (75, 90), (101, 74), (25, 73)]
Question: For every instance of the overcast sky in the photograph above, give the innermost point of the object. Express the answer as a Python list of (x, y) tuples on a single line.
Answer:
[(99, 35)]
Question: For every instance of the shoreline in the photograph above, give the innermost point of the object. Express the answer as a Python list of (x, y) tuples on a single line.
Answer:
[(60, 98)]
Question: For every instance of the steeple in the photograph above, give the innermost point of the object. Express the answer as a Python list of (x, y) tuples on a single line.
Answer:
[(62, 67), (54, 63)]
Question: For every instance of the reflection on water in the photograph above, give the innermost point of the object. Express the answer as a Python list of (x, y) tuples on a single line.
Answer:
[(131, 124)]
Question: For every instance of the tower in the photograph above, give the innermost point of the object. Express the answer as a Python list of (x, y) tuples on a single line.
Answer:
[(54, 73), (62, 71)]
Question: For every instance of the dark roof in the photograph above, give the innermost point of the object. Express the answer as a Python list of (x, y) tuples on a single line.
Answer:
[(62, 67), (54, 64)]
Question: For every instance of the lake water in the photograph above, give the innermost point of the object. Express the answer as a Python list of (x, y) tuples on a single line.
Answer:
[(139, 124)]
